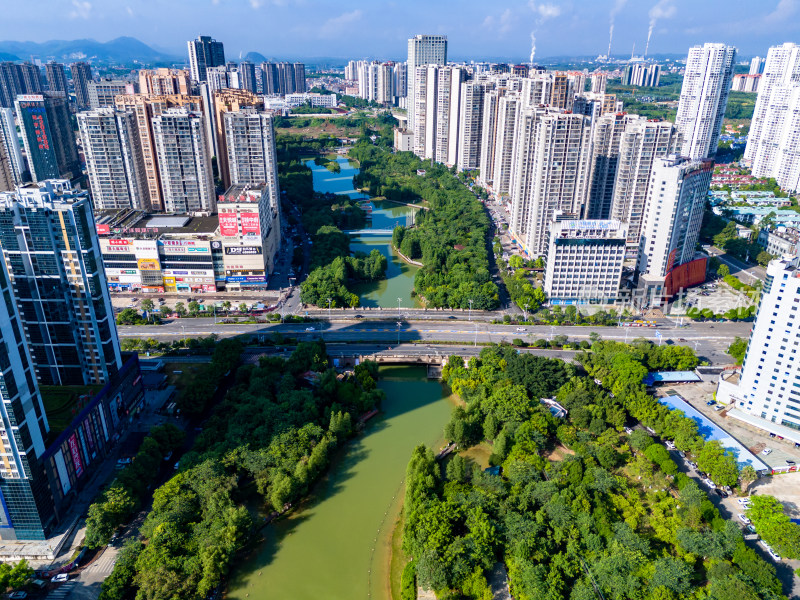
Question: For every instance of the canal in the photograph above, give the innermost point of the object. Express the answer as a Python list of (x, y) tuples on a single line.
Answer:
[(385, 216), (338, 546)]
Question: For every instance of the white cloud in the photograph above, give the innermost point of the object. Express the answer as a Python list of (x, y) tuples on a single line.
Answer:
[(256, 4), (81, 9), (501, 25), (545, 10), (664, 9), (336, 25), (784, 10), (129, 10)]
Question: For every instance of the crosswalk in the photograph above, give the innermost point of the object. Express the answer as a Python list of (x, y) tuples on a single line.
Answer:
[(63, 591)]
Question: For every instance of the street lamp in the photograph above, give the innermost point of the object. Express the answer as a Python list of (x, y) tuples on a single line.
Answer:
[(470, 309), (552, 329), (525, 312), (184, 335), (399, 300), (399, 324), (476, 335), (329, 310)]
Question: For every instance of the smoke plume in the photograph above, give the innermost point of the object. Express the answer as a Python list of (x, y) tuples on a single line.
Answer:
[(533, 46), (664, 9), (615, 10)]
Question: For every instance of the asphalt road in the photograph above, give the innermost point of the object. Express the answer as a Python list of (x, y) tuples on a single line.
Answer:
[(740, 268), (710, 339)]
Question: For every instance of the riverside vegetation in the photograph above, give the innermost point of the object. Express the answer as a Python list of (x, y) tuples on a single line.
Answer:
[(449, 239), (266, 443), (581, 510)]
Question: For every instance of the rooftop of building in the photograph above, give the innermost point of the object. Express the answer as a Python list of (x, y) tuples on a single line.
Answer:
[(139, 224), (243, 193), (657, 377), (62, 403), (710, 431)]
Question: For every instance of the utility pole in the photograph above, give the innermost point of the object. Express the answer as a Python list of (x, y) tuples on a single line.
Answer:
[(470, 309), (525, 312), (399, 324), (399, 300)]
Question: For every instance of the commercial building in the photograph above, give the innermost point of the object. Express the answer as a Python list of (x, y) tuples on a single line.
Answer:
[(114, 161), (403, 140), (51, 251), (81, 76), (204, 52), (250, 146), (674, 213), (56, 75), (103, 92), (17, 79), (9, 140), (249, 225), (47, 135), (767, 393), (314, 99), (422, 50), (146, 108), (184, 162), (704, 98), (772, 139), (27, 510), (584, 261)]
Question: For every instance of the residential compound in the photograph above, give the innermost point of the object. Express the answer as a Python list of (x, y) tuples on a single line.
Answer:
[(766, 392), (555, 152), (772, 143), (58, 337), (382, 82)]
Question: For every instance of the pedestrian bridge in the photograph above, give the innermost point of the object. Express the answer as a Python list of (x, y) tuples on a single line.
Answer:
[(369, 232)]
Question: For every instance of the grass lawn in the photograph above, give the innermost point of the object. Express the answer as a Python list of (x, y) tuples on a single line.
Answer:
[(479, 454), (178, 374), (62, 403), (399, 559)]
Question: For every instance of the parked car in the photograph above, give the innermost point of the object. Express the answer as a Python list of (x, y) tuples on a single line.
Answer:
[(60, 578), (310, 329), (711, 403), (628, 430), (669, 445), (774, 555), (743, 519), (766, 451), (718, 407), (20, 595), (743, 501), (790, 462), (521, 329)]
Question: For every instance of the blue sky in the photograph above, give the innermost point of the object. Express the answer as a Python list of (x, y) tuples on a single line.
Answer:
[(360, 29)]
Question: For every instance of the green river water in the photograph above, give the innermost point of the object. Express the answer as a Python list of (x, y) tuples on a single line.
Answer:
[(385, 216), (337, 546)]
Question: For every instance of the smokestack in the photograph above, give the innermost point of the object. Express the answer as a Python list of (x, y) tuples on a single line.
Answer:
[(533, 46), (610, 37), (647, 45)]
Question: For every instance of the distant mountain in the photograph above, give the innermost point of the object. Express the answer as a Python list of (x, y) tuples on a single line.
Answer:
[(124, 50), (7, 56), (255, 57)]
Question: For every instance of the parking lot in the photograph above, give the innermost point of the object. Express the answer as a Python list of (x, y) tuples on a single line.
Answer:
[(718, 297)]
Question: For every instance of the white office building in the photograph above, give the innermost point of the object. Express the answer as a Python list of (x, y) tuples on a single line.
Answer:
[(584, 261), (11, 149), (114, 162), (673, 216), (773, 143), (184, 162), (704, 97), (767, 393), (423, 50)]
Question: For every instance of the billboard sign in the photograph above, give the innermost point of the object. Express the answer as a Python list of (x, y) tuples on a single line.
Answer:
[(148, 264), (251, 224), (76, 455), (228, 226), (242, 250)]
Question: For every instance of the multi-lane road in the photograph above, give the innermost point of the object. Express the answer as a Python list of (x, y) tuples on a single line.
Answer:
[(709, 339)]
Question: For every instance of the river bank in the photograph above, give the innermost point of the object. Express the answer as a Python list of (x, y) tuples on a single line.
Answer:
[(338, 544)]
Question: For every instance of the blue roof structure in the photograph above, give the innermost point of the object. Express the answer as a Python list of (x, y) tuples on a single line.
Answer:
[(711, 431), (671, 377)]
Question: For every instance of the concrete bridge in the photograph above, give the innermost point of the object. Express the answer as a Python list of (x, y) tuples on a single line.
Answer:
[(369, 232)]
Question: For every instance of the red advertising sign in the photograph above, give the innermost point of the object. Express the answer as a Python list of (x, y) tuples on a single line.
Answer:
[(76, 455), (250, 224), (103, 229), (227, 225), (119, 242)]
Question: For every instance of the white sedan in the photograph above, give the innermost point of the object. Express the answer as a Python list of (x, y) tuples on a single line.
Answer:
[(744, 519)]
